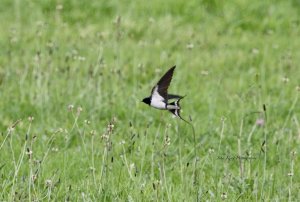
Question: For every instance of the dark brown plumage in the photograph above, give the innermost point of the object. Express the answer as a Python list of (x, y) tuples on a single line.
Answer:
[(164, 82)]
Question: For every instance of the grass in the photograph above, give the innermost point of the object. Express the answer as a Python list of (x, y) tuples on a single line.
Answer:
[(72, 75)]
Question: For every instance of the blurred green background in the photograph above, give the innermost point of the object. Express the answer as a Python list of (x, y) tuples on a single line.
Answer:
[(232, 58)]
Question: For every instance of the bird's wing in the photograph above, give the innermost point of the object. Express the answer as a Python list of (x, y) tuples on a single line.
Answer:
[(171, 96), (163, 84)]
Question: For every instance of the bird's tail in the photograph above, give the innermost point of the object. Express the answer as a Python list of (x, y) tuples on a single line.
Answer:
[(175, 103), (177, 108), (176, 112)]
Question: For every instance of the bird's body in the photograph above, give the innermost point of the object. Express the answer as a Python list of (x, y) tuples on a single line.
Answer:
[(158, 102), (159, 97)]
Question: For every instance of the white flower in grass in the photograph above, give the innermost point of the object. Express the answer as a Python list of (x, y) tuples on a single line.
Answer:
[(285, 79), (255, 51), (70, 107), (59, 7), (190, 46), (48, 183), (223, 196), (30, 118), (211, 150)]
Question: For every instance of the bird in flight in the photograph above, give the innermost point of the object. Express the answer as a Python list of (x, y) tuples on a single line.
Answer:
[(159, 95)]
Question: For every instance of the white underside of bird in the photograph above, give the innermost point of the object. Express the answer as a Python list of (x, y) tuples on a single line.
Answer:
[(158, 102)]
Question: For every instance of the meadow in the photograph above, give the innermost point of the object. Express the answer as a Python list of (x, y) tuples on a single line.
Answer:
[(73, 74)]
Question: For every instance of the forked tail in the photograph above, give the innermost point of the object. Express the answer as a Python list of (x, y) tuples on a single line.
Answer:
[(177, 109), (176, 112)]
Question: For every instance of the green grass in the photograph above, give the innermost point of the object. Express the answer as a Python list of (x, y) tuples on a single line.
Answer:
[(103, 58)]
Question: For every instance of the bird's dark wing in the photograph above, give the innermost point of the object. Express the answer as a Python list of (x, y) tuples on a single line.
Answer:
[(163, 83), (171, 96)]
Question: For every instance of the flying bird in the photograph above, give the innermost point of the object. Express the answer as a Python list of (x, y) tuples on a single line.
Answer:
[(159, 97)]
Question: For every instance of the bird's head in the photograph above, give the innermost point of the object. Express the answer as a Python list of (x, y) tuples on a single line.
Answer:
[(147, 100)]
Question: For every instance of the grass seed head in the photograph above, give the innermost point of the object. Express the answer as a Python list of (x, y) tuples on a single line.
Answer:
[(34, 178), (59, 7), (132, 167), (104, 136), (70, 107), (54, 149), (48, 183), (204, 73), (211, 150), (30, 118), (167, 141), (93, 132), (293, 153), (223, 196), (285, 79), (92, 169), (10, 129), (255, 51), (29, 153), (190, 46), (79, 110)]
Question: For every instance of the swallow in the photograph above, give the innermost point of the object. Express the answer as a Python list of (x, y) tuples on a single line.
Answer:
[(159, 97)]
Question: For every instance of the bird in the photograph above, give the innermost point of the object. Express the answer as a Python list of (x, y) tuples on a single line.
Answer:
[(159, 97)]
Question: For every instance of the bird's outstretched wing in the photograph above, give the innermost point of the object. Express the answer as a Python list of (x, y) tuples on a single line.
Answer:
[(163, 84)]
